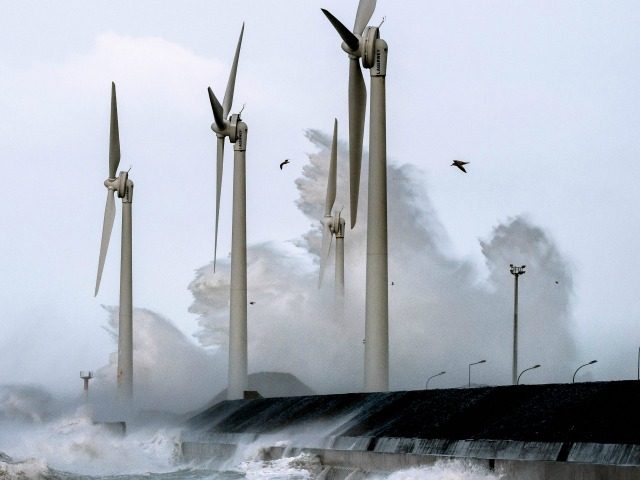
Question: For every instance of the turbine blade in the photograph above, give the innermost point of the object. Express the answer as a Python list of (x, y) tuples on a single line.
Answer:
[(332, 180), (231, 83), (218, 114), (219, 165), (327, 236), (349, 38), (365, 11), (107, 227), (114, 135), (357, 110)]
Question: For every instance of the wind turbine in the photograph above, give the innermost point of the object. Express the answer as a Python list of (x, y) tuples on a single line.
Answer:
[(333, 225), (234, 128), (366, 44), (123, 186)]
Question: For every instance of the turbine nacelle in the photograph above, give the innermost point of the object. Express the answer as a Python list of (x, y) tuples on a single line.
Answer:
[(339, 227), (120, 185), (335, 224), (366, 47)]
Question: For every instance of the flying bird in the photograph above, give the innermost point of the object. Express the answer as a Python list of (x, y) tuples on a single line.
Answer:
[(459, 164), (284, 163), (252, 303)]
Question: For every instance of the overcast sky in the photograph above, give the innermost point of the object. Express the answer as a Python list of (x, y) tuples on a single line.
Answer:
[(540, 97)]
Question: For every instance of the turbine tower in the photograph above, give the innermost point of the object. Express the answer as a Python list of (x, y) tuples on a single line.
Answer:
[(333, 225), (236, 130), (366, 44), (123, 186)]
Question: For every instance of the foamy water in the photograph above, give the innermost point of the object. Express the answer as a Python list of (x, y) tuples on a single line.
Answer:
[(73, 448), (39, 442), (302, 467)]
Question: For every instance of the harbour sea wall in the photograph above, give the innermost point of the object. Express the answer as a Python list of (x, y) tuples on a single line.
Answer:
[(566, 431)]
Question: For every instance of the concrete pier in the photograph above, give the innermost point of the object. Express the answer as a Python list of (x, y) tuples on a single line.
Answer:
[(566, 431)]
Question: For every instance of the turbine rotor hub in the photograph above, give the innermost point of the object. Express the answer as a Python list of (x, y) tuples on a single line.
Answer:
[(353, 53), (230, 128)]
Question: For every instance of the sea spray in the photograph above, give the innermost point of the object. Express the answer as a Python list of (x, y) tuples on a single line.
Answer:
[(171, 372), (75, 443), (439, 305)]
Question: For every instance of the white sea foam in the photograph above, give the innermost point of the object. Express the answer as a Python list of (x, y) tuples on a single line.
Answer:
[(27, 469), (301, 467), (444, 470), (74, 443)]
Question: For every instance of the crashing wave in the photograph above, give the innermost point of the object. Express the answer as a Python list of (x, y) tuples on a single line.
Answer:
[(30, 469)]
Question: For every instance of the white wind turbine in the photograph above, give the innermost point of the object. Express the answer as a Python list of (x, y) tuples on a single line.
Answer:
[(366, 44), (333, 225), (124, 188), (234, 128)]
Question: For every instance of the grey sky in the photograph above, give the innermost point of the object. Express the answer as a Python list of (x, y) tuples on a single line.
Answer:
[(540, 97)]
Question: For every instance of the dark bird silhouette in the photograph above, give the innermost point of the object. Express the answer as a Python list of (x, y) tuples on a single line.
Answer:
[(252, 302), (284, 163), (556, 282), (393, 283), (459, 164)]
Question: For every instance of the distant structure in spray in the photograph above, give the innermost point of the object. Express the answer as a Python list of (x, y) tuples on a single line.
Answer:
[(123, 187), (333, 226), (86, 376)]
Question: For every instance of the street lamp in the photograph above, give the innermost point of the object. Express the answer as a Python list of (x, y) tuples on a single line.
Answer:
[(573, 380), (433, 376), (516, 272), (476, 363), (525, 370)]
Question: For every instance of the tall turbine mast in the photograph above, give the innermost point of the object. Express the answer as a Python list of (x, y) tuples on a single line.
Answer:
[(366, 44), (123, 186), (333, 225), (236, 130)]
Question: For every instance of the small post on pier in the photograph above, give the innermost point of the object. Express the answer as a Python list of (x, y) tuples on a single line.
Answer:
[(86, 376)]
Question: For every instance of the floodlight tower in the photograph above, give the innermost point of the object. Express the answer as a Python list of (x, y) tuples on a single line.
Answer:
[(516, 272), (236, 130), (123, 186), (366, 44)]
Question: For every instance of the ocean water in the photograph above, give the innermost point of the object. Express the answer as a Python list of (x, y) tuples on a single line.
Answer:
[(73, 447)]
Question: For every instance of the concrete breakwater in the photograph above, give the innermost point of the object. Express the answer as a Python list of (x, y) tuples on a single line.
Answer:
[(563, 431)]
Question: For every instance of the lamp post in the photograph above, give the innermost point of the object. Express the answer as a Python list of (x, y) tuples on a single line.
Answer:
[(516, 272), (433, 376), (573, 380), (476, 363), (525, 370)]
